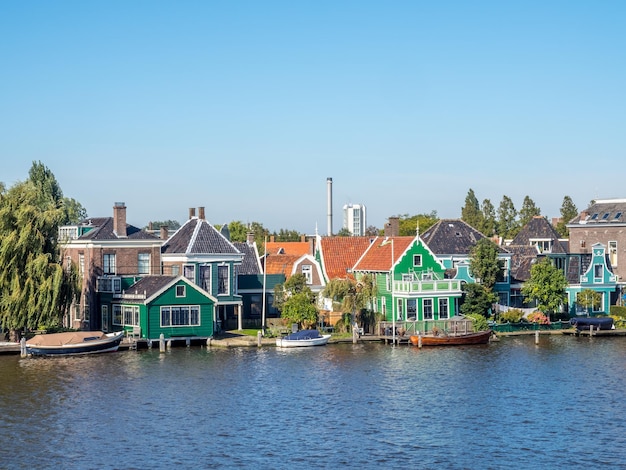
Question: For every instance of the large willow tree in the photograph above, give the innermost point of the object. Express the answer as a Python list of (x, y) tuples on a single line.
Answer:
[(35, 288)]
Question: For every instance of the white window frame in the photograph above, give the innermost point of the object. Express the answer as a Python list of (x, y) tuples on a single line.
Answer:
[(223, 289), (427, 305), (189, 269), (130, 315), (143, 263), (171, 313), (612, 249), (307, 271), (181, 291), (109, 263), (444, 306), (118, 318)]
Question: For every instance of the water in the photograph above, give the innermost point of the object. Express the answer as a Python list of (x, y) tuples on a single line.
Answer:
[(512, 404)]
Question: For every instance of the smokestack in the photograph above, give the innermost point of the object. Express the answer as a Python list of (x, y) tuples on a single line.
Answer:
[(192, 212), (329, 187), (201, 213), (164, 232), (119, 219)]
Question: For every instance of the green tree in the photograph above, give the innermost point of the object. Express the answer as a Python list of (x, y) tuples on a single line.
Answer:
[(528, 211), (477, 300), (409, 224), (35, 289), (285, 235), (344, 232), (488, 227), (568, 212), (546, 286), (484, 263), (507, 218), (354, 297), (296, 302), (157, 224), (470, 212), (589, 299)]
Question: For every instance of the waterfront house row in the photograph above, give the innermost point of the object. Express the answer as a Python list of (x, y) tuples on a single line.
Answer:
[(417, 277)]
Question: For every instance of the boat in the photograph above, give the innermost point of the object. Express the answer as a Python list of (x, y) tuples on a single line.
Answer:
[(480, 337), (73, 343), (598, 323), (302, 338)]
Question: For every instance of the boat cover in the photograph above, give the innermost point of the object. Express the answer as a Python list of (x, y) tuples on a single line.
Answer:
[(604, 323), (60, 339), (303, 334)]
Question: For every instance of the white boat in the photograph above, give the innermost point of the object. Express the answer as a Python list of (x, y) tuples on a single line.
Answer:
[(302, 338), (72, 343)]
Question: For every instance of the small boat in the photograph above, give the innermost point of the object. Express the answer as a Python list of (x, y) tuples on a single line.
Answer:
[(480, 337), (302, 338), (598, 323), (73, 343)]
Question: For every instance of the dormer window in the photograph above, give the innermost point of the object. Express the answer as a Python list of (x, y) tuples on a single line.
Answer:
[(618, 215), (594, 217), (542, 245), (605, 216)]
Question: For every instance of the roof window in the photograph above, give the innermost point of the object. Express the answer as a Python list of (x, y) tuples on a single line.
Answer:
[(594, 216), (605, 216), (618, 215)]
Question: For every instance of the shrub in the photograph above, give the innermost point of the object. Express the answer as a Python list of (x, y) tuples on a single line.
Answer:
[(538, 317), (514, 315), (479, 322), (617, 311)]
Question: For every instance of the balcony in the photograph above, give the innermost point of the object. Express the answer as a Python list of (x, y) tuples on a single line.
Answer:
[(427, 287)]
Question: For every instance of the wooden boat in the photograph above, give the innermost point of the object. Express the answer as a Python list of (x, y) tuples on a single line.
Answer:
[(480, 337), (73, 343), (302, 338)]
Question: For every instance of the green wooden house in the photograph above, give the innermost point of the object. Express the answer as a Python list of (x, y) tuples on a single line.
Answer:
[(168, 305), (411, 280)]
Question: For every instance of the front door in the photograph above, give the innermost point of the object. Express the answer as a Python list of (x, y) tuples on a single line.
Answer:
[(105, 318)]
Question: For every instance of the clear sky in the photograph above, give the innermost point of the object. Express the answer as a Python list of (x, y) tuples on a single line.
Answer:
[(246, 107)]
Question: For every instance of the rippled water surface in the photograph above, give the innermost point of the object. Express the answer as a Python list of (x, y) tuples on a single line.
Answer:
[(511, 404)]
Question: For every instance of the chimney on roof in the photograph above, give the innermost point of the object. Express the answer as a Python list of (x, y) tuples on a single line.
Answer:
[(192, 212), (164, 232), (392, 228), (272, 238), (250, 238), (201, 213), (119, 219)]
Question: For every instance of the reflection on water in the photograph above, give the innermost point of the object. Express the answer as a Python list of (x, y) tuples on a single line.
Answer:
[(511, 404)]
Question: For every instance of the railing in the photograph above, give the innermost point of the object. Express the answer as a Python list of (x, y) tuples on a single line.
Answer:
[(408, 328), (443, 285)]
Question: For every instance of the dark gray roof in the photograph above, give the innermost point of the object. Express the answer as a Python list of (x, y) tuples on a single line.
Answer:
[(522, 259), (197, 236), (150, 285), (539, 227), (250, 263), (103, 230), (603, 211), (451, 237)]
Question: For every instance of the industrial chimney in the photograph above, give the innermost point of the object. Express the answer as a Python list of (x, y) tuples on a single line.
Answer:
[(329, 187)]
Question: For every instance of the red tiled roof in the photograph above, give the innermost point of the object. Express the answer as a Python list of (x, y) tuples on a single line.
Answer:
[(378, 256), (289, 248), (341, 253), (280, 264)]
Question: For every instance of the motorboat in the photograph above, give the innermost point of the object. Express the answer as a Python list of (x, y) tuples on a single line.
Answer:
[(73, 343), (302, 338)]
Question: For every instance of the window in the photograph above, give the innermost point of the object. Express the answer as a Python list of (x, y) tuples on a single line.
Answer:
[(143, 263), (543, 246), (117, 315), (180, 315), (600, 307), (443, 308), (130, 315), (428, 309), (400, 309), (81, 264), (180, 291), (77, 312), (105, 317), (108, 264), (605, 216), (222, 280), (109, 284), (383, 306), (411, 309), (613, 253), (618, 215), (189, 271), (417, 260), (307, 271), (597, 272), (175, 270), (205, 277)]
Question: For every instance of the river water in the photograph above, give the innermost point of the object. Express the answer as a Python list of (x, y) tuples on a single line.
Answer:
[(509, 404)]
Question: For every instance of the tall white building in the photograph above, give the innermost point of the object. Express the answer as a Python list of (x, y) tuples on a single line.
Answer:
[(354, 219)]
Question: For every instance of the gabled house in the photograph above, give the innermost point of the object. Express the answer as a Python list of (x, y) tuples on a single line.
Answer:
[(451, 241), (204, 256), (168, 305), (604, 221), (110, 255), (289, 258), (411, 281)]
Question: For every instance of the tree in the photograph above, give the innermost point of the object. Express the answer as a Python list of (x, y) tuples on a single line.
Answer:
[(355, 297), (589, 299), (484, 263), (507, 218), (157, 224), (470, 212), (528, 211), (371, 231), (285, 235), (295, 301), (35, 289), (546, 286), (344, 232), (477, 299), (568, 212), (489, 218), (409, 224)]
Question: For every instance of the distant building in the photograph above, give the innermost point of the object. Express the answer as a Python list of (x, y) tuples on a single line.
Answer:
[(354, 219)]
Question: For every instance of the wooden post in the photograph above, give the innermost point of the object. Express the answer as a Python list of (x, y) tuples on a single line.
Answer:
[(537, 337), (169, 344), (162, 343), (259, 342), (23, 347), (419, 341), (591, 330), (188, 342)]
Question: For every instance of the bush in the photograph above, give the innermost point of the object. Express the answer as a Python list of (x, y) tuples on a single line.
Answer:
[(617, 311), (479, 322), (514, 315), (538, 317)]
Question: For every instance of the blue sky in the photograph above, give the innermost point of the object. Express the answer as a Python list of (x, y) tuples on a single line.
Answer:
[(246, 107)]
